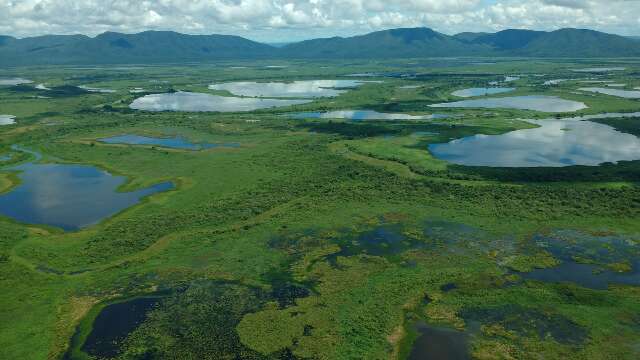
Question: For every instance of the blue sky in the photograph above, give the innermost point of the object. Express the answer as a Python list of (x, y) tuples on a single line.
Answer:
[(292, 20)]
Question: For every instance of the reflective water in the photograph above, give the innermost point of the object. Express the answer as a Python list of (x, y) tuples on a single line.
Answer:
[(511, 78), (42, 87), (364, 115), (68, 196), (554, 82), (175, 142), (96, 90), (405, 87), (556, 143), (186, 101), (599, 69), (7, 119), (628, 94), (434, 343), (14, 81), (531, 102), (481, 91), (295, 89)]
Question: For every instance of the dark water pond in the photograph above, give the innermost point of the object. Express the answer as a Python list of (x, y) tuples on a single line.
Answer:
[(70, 197), (627, 94), (175, 142), (114, 323), (596, 254), (381, 241), (555, 143), (530, 102), (585, 275), (294, 89), (197, 102), (434, 343), (481, 91), (360, 115)]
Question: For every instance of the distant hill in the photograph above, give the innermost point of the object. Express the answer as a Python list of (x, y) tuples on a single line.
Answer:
[(507, 40), (415, 42), (145, 47), (172, 47)]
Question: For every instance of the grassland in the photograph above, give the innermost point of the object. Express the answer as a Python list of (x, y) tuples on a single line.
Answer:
[(259, 247)]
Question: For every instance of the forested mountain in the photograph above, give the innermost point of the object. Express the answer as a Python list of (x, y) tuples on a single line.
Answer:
[(172, 47)]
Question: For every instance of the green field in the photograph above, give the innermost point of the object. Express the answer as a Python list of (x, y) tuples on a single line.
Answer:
[(260, 252)]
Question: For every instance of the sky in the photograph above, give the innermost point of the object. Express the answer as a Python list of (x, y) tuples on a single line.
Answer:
[(294, 20)]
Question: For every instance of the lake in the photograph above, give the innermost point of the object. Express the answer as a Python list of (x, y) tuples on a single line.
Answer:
[(555, 143), (70, 197), (359, 115), (7, 120), (198, 102), (295, 89), (174, 142), (471, 92), (14, 81), (530, 102), (628, 94)]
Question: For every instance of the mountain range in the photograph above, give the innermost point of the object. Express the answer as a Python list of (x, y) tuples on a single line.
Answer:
[(172, 47)]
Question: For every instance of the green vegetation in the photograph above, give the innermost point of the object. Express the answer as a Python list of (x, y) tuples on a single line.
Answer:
[(318, 238), (166, 47)]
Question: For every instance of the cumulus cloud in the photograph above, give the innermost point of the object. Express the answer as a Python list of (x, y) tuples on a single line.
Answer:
[(282, 20)]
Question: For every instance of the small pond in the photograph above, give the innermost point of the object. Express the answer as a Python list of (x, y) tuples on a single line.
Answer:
[(598, 253), (555, 143), (531, 102), (436, 343), (114, 323), (295, 89), (174, 142), (599, 69), (14, 81), (67, 196), (7, 120), (554, 82), (585, 275), (628, 94), (471, 92), (96, 90), (196, 102), (359, 115)]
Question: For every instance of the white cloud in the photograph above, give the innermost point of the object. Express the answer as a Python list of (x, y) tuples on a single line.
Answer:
[(282, 20)]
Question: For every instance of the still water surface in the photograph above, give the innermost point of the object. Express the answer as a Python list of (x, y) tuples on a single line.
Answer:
[(174, 142), (196, 102), (555, 143), (531, 102), (364, 115), (67, 196), (295, 89)]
